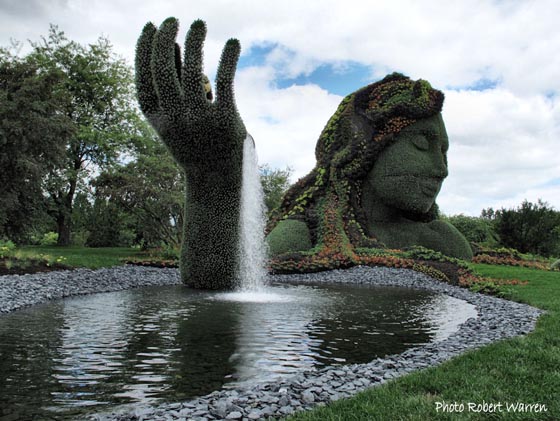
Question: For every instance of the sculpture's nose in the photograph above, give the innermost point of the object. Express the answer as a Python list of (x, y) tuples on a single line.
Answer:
[(440, 165)]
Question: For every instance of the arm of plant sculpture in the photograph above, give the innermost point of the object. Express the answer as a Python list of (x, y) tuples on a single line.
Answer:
[(205, 137)]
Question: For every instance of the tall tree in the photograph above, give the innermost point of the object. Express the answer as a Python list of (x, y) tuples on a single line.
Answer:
[(275, 183), (475, 229), (530, 228), (150, 189), (100, 100), (33, 133)]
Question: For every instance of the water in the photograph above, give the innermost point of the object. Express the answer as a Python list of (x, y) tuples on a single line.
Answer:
[(252, 244), (169, 343)]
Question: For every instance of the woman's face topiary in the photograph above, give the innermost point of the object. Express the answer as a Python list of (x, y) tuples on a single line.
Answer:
[(408, 174)]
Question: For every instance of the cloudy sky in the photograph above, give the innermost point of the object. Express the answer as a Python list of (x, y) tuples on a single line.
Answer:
[(498, 63)]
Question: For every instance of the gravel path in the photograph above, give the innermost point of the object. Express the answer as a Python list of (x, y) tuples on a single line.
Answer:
[(497, 319)]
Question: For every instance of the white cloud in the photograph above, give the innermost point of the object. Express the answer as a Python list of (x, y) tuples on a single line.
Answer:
[(448, 43), (285, 123), (504, 141), (503, 149)]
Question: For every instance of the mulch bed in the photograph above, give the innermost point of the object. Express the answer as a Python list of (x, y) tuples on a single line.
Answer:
[(447, 268), (28, 266)]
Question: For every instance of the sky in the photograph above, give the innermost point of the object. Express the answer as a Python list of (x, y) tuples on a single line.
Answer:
[(497, 62)]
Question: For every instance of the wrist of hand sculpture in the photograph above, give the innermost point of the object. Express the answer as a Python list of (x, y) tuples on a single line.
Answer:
[(205, 137)]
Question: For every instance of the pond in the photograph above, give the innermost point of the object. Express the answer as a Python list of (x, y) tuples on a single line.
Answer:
[(171, 343)]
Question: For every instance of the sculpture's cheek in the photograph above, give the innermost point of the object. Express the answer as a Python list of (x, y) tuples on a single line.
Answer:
[(406, 192)]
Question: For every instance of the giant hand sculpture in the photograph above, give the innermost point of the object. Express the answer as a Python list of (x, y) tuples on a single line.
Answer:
[(205, 137)]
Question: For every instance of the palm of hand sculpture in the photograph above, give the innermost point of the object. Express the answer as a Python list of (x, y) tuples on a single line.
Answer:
[(205, 137)]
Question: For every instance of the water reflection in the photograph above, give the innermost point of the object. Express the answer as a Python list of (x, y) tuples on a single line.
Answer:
[(93, 339), (173, 343), (29, 342), (275, 337)]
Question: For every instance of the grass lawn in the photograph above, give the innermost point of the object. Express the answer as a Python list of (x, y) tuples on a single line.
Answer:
[(88, 257), (523, 369)]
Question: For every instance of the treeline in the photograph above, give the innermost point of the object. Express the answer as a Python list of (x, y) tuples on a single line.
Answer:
[(78, 163), (532, 228)]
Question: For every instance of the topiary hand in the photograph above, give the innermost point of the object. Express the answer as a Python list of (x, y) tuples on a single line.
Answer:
[(172, 95), (206, 139)]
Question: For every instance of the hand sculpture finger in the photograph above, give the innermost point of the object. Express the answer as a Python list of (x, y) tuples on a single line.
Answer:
[(167, 84), (192, 73), (226, 72), (147, 96)]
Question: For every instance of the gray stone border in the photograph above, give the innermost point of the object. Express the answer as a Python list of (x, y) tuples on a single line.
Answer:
[(18, 291), (497, 319)]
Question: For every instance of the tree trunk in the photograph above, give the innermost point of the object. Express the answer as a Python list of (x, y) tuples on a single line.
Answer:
[(64, 218), (63, 222)]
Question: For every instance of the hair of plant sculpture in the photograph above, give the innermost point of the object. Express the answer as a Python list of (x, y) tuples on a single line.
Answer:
[(381, 160), (205, 137)]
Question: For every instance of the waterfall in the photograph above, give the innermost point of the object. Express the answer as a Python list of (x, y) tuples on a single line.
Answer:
[(253, 248)]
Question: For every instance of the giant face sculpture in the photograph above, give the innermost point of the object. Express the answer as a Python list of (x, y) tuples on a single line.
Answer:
[(409, 173), (381, 161)]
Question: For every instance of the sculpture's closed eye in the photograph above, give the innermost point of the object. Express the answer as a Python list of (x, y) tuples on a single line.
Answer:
[(421, 143)]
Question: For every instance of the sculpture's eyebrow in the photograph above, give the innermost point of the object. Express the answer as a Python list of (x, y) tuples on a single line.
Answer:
[(431, 133)]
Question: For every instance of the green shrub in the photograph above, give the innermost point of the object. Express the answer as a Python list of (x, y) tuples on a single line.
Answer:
[(79, 238), (475, 229), (290, 235), (530, 228), (49, 239), (170, 253), (7, 248)]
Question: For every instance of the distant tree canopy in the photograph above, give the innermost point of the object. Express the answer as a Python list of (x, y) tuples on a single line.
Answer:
[(150, 190), (529, 228), (65, 110), (275, 183), (475, 230), (99, 102)]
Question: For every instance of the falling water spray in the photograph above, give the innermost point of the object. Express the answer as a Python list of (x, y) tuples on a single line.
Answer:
[(253, 248)]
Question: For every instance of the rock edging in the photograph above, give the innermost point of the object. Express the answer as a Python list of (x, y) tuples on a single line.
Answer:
[(18, 291)]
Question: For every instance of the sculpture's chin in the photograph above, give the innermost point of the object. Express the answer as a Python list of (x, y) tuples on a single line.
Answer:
[(418, 207)]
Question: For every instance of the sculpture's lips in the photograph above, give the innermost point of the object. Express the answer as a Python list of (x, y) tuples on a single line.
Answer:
[(430, 186)]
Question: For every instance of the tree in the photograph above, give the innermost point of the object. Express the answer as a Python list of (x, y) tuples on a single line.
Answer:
[(530, 228), (98, 87), (476, 230), (150, 190), (107, 226), (33, 133), (275, 183)]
